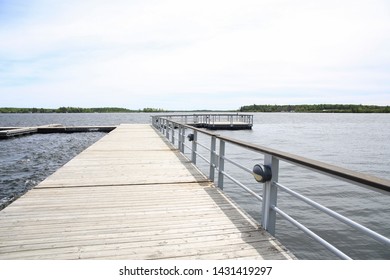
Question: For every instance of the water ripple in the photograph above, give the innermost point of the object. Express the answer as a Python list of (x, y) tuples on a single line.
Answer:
[(26, 161)]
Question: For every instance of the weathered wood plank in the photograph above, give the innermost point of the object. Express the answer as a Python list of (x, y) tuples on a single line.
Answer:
[(130, 196)]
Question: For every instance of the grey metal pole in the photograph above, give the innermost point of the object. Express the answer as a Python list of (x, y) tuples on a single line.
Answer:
[(167, 129), (212, 158), (221, 164), (173, 133), (183, 137), (270, 193), (194, 147), (180, 139)]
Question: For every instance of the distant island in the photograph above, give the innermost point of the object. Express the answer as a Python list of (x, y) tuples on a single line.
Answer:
[(319, 108), (77, 110)]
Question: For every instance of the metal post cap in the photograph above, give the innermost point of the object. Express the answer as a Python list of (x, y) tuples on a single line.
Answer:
[(262, 173)]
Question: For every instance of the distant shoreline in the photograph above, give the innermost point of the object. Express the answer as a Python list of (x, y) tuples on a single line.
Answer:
[(77, 110), (318, 108)]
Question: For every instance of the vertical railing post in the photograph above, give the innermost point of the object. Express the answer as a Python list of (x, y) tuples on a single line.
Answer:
[(183, 138), (179, 139), (221, 163), (194, 147), (167, 129), (212, 158), (270, 192), (173, 133), (158, 124)]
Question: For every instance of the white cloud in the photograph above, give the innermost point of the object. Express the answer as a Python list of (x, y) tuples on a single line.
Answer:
[(146, 49)]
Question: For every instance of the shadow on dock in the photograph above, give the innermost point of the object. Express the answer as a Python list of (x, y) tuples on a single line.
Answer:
[(249, 231)]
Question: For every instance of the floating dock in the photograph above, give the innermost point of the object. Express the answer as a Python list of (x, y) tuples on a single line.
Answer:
[(131, 195), (8, 132), (213, 121)]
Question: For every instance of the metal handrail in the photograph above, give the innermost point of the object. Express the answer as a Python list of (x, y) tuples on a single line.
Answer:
[(248, 190), (272, 158), (310, 233), (341, 218), (208, 118), (375, 183)]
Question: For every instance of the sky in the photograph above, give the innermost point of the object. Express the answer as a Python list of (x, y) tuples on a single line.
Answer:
[(192, 55)]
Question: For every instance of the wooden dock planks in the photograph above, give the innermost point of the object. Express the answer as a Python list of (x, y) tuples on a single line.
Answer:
[(130, 196)]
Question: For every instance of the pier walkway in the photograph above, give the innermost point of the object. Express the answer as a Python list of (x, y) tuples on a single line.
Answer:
[(131, 195)]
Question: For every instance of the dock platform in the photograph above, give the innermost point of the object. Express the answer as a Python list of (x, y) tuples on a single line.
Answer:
[(131, 195), (9, 132), (212, 121)]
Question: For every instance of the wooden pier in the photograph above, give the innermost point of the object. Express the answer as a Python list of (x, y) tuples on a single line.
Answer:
[(131, 195)]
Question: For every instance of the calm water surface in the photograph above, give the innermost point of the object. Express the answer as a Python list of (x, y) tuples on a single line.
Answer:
[(354, 141)]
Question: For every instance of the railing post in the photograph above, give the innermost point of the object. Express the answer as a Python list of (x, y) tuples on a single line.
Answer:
[(183, 138), (167, 129), (159, 124), (221, 163), (164, 131), (179, 139), (173, 133), (270, 192), (212, 158), (194, 146)]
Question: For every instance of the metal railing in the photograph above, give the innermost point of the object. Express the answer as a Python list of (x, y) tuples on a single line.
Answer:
[(176, 133), (208, 119)]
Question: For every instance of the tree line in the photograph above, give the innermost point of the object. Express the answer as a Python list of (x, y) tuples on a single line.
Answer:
[(319, 108), (77, 110)]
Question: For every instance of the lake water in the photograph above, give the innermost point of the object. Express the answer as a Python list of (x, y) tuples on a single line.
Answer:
[(355, 141)]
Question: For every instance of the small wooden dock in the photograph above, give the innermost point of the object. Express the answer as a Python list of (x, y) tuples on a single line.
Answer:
[(131, 196)]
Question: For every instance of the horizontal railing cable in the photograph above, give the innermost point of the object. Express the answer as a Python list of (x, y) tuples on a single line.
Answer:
[(242, 186), (310, 233), (203, 146), (238, 165), (378, 237), (202, 157), (372, 182)]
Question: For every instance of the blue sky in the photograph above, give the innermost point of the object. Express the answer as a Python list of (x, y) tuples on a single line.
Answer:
[(204, 54)]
